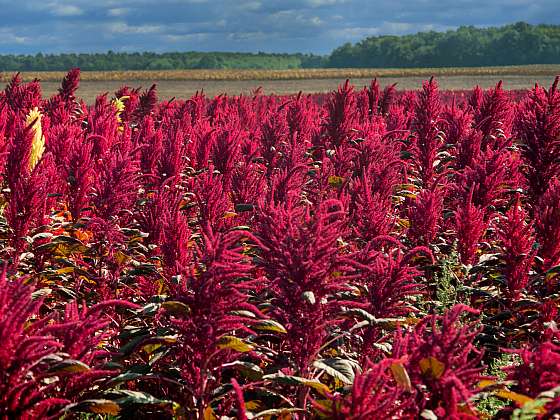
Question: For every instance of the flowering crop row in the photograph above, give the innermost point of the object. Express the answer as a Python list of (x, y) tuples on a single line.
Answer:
[(366, 254)]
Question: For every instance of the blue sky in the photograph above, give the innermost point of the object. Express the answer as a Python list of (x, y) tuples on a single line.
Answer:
[(318, 26)]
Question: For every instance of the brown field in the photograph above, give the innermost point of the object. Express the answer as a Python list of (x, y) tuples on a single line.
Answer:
[(184, 83), (184, 89), (296, 74)]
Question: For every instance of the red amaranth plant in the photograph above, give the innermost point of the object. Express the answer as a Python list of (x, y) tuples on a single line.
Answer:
[(28, 191), (442, 362), (116, 187), (301, 259), (470, 226), (62, 107), (79, 176), (494, 117), (518, 252), (428, 135), (215, 286), (342, 116), (370, 213), (389, 282), (25, 348), (85, 334), (147, 103), (490, 175), (170, 157), (547, 214), (537, 126), (539, 371), (374, 394), (424, 215)]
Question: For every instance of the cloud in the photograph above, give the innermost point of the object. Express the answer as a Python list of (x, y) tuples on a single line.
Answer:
[(242, 25), (319, 3), (124, 28), (66, 10), (118, 11)]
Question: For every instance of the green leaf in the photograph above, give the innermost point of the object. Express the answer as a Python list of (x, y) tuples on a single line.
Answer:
[(248, 369), (269, 325), (336, 181), (45, 291), (432, 367), (387, 323), (341, 369), (283, 379), (97, 406), (150, 345), (69, 366), (125, 377), (176, 308), (241, 207), (274, 412), (125, 397), (234, 343), (428, 415), (401, 375)]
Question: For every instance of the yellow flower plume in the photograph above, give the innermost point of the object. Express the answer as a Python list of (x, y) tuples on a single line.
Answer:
[(33, 121), (120, 106)]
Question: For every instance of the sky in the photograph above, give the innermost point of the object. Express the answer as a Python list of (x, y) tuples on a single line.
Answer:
[(307, 26)]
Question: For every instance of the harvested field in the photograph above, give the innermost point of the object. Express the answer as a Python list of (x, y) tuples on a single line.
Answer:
[(296, 74), (186, 88)]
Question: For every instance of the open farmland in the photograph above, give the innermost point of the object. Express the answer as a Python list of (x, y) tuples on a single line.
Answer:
[(184, 89), (362, 254), (184, 83)]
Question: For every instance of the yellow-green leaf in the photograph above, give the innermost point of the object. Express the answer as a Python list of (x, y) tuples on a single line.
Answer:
[(401, 375), (514, 396), (69, 366), (104, 407), (318, 386), (270, 325), (65, 270), (209, 414), (150, 348), (253, 405), (485, 383), (432, 367), (234, 343), (335, 181), (176, 308)]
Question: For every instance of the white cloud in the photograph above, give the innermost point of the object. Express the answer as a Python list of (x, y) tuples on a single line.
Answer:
[(319, 3), (125, 28), (118, 11), (195, 37), (250, 6), (65, 10)]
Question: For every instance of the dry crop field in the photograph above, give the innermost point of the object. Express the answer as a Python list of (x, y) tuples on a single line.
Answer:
[(295, 74), (185, 83), (366, 253)]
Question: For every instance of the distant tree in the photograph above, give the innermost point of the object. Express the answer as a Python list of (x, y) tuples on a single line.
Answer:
[(515, 44)]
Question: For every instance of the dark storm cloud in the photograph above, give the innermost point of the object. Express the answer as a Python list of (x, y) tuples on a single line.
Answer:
[(318, 26)]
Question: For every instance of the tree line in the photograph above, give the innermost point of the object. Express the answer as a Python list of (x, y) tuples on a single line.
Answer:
[(157, 61), (515, 44)]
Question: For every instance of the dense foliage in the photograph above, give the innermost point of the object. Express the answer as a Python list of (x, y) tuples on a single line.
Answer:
[(359, 255), (158, 61), (467, 46)]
